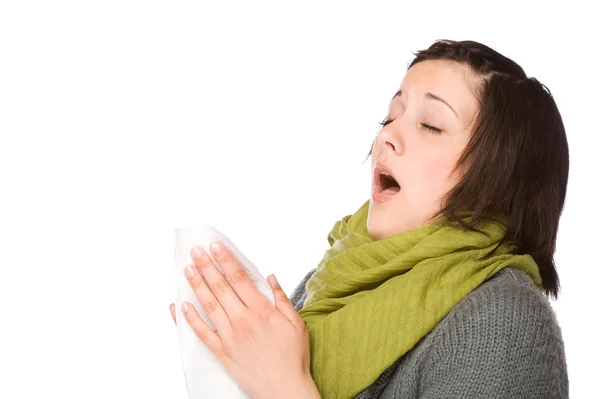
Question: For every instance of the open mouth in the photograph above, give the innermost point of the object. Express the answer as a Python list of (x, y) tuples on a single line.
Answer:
[(385, 185)]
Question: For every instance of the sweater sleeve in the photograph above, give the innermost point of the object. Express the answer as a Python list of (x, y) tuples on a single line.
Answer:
[(502, 342), (298, 295)]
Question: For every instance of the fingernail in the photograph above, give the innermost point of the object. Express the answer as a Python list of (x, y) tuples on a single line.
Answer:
[(215, 247), (273, 281), (198, 251), (185, 307), (190, 271)]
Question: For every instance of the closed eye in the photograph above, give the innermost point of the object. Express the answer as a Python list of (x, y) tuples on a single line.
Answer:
[(386, 121), (433, 129)]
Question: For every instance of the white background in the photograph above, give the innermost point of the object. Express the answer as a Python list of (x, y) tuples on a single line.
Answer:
[(122, 120)]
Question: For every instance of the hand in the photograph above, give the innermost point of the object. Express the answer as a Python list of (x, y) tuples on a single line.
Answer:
[(264, 348)]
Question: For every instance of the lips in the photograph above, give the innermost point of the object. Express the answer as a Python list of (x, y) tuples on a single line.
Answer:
[(382, 191)]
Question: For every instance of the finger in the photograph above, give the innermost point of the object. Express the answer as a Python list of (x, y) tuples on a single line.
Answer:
[(208, 301), (209, 337), (283, 303), (238, 276), (215, 280), (172, 309)]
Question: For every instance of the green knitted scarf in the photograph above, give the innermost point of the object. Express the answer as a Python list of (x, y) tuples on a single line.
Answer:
[(370, 301)]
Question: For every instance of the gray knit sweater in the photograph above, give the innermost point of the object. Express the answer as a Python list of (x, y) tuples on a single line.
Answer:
[(501, 341)]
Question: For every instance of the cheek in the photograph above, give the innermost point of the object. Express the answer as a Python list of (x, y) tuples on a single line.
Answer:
[(431, 178)]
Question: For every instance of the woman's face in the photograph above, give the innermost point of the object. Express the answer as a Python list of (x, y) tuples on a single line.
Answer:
[(422, 159)]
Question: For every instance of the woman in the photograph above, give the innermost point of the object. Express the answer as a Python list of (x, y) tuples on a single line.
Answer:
[(438, 286)]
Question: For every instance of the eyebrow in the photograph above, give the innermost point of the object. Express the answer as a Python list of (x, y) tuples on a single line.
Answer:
[(430, 96)]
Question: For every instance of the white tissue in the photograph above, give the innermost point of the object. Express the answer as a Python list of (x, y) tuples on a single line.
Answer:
[(205, 376)]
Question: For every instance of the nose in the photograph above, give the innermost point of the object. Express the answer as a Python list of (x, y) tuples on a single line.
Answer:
[(389, 138)]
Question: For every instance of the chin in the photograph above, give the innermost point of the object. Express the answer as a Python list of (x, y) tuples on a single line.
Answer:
[(377, 227), (373, 233), (380, 226), (380, 231)]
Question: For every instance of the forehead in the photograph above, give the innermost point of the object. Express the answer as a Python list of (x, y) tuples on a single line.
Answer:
[(449, 80)]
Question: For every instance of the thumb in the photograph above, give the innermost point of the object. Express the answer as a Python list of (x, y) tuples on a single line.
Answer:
[(283, 303)]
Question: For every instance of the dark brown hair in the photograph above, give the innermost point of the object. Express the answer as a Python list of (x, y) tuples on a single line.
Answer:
[(517, 156)]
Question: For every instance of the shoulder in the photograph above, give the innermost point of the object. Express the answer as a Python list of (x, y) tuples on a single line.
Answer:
[(509, 296), (501, 340), (507, 306)]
